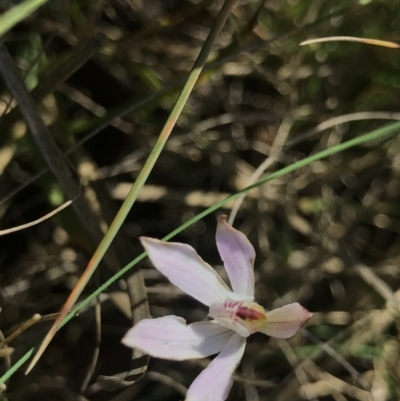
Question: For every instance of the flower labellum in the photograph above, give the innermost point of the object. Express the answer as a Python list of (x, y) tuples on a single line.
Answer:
[(234, 313)]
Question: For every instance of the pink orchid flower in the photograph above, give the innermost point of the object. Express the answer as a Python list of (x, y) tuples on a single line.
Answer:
[(235, 314)]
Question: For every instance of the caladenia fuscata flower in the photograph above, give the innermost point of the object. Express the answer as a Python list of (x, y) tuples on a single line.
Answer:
[(234, 313)]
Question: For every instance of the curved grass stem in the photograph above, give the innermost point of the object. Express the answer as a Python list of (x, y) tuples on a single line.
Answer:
[(377, 134), (141, 179)]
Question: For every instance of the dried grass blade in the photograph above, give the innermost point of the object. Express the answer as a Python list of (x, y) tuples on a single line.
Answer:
[(367, 41), (33, 223)]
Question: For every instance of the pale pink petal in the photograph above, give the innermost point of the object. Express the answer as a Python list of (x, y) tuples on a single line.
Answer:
[(181, 264), (238, 256), (285, 321), (232, 325), (169, 337), (214, 382)]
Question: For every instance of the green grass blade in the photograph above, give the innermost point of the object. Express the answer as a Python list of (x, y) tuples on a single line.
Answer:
[(142, 177), (373, 135), (16, 14)]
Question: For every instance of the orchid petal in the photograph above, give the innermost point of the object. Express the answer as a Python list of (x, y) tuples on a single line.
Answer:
[(181, 264), (285, 321), (169, 337), (214, 382), (238, 256)]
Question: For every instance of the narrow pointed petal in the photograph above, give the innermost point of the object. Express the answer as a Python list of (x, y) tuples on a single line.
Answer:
[(181, 264), (285, 321), (214, 382), (238, 256), (169, 337)]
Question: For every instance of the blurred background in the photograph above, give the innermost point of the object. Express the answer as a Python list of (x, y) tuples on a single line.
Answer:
[(104, 76)]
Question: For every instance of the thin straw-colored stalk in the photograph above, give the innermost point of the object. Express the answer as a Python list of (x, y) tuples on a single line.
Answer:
[(373, 135), (368, 41), (16, 14), (141, 179)]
